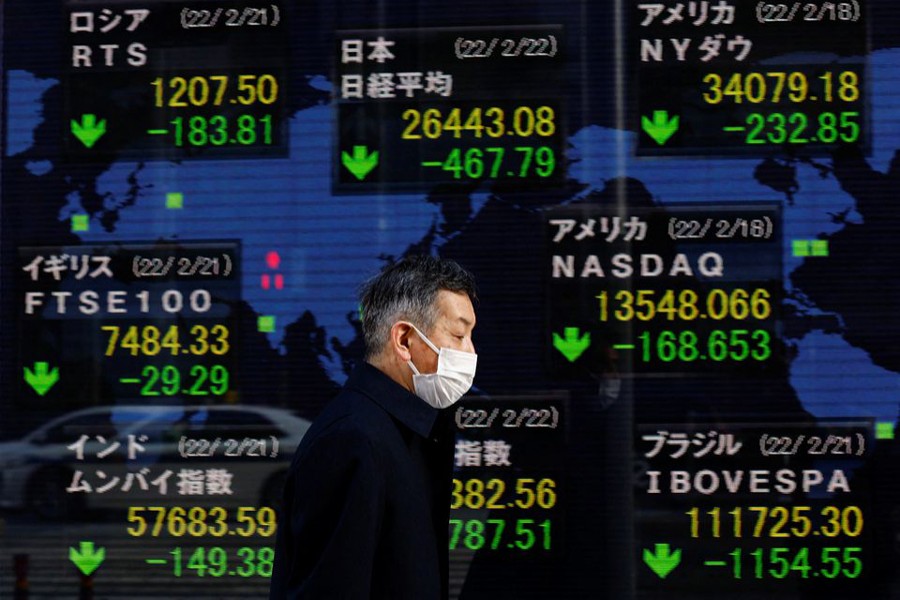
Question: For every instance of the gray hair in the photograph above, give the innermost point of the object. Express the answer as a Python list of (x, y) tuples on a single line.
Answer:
[(407, 290)]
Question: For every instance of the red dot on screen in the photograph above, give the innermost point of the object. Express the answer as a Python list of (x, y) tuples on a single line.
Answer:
[(272, 259)]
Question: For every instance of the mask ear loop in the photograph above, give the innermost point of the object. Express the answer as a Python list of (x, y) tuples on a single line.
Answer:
[(426, 340)]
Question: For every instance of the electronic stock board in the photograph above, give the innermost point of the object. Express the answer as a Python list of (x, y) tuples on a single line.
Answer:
[(678, 213)]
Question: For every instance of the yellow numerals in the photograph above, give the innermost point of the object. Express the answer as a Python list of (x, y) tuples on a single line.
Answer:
[(214, 90), (493, 122), (777, 522), (197, 521), (492, 494), (780, 86), (685, 305), (150, 340)]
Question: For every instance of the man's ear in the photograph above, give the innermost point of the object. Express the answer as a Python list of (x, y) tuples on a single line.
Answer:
[(399, 340)]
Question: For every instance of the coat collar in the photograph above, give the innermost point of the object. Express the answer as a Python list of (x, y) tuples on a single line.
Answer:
[(404, 406)]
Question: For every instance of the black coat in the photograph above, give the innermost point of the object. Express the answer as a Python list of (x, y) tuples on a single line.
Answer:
[(366, 501)]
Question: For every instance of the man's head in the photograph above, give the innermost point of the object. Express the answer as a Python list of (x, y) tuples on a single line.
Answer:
[(432, 294)]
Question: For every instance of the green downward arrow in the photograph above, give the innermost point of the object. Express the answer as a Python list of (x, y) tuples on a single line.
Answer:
[(41, 379), (662, 561), (661, 128), (86, 558), (361, 162), (89, 130), (572, 344)]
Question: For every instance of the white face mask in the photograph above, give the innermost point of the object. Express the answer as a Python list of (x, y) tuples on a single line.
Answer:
[(455, 372)]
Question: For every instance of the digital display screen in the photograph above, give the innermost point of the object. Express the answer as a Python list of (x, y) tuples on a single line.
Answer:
[(678, 215)]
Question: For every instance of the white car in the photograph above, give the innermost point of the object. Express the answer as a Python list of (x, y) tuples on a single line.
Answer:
[(186, 455)]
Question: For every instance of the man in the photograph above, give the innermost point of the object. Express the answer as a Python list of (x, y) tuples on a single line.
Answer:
[(366, 501)]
